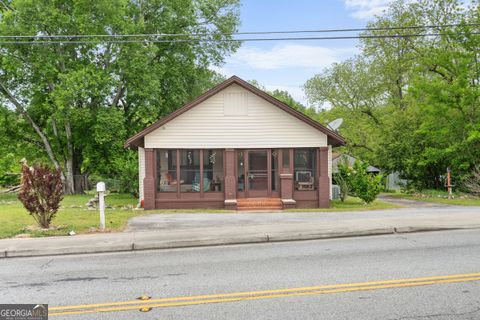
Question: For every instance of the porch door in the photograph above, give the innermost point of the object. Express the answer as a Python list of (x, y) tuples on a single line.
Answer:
[(257, 173)]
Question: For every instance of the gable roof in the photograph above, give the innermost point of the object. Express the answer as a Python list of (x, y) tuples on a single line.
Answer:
[(334, 138)]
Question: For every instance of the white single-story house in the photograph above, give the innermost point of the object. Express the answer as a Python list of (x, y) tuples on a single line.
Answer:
[(235, 147)]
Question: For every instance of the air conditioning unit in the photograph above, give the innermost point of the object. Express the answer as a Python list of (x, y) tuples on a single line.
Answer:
[(335, 192)]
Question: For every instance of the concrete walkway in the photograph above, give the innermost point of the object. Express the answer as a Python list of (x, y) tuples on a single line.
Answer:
[(165, 231)]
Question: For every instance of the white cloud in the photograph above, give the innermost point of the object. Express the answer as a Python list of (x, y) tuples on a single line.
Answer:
[(290, 56), (366, 9)]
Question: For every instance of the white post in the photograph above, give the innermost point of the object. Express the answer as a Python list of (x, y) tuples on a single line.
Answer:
[(101, 203)]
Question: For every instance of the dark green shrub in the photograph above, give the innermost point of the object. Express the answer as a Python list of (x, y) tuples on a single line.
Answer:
[(366, 186)]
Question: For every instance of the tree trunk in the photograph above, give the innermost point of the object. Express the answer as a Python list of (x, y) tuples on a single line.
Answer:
[(69, 178), (78, 178)]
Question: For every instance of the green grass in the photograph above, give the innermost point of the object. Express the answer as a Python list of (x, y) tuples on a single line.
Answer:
[(352, 204), (73, 215), (439, 196)]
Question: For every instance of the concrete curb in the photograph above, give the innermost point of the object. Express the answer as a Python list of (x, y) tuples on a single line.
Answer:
[(17, 253), (412, 229), (201, 242), (206, 241), (283, 236)]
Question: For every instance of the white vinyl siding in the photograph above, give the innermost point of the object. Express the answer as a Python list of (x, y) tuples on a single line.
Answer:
[(141, 171), (211, 125), (235, 104)]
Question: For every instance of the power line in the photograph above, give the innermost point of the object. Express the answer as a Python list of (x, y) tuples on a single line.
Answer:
[(77, 36), (146, 41)]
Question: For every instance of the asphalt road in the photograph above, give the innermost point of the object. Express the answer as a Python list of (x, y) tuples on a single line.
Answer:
[(220, 271)]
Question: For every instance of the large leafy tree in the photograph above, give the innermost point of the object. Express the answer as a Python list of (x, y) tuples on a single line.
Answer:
[(411, 104), (78, 98)]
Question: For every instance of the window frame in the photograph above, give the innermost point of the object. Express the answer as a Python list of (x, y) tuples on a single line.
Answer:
[(177, 153), (158, 154), (313, 152)]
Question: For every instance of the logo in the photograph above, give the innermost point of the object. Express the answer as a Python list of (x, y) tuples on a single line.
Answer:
[(23, 311)]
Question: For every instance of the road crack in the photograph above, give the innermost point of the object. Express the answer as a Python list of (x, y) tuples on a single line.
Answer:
[(431, 316)]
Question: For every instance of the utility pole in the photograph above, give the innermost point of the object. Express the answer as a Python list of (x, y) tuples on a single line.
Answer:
[(449, 184)]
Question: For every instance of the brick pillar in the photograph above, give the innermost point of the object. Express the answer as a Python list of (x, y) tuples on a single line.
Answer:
[(323, 179), (286, 183), (230, 180), (149, 190)]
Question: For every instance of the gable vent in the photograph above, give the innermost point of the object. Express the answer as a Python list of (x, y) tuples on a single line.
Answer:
[(235, 104)]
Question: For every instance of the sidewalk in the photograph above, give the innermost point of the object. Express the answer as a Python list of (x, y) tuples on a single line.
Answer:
[(166, 231)]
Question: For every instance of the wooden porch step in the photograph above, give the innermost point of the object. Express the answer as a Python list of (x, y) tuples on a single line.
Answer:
[(259, 204)]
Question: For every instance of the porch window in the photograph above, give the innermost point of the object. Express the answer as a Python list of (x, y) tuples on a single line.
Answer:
[(240, 171), (167, 170), (274, 175), (190, 170), (305, 169), (212, 170)]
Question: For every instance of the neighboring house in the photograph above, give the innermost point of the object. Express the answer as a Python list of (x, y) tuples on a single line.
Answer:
[(235, 147), (394, 182), (340, 157)]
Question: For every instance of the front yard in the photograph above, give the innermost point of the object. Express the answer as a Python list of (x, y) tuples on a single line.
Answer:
[(75, 216), (461, 199)]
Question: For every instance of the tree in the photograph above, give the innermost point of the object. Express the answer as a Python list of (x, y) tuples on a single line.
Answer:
[(365, 186), (472, 182), (410, 103), (79, 98), (355, 94), (285, 97), (41, 192)]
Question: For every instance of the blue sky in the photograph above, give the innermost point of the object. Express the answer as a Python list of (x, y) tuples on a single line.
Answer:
[(287, 65)]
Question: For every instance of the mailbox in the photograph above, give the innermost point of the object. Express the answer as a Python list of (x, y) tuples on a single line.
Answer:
[(101, 203), (101, 187)]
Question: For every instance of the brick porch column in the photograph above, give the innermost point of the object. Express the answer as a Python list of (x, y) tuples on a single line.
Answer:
[(286, 182), (323, 179), (230, 180), (149, 190)]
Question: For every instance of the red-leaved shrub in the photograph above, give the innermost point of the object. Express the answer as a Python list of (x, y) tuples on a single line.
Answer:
[(41, 192)]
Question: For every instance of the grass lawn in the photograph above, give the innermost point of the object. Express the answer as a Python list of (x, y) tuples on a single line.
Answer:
[(73, 215), (352, 204), (437, 196)]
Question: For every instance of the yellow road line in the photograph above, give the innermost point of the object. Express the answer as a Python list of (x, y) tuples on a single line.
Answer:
[(266, 294), (247, 293)]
